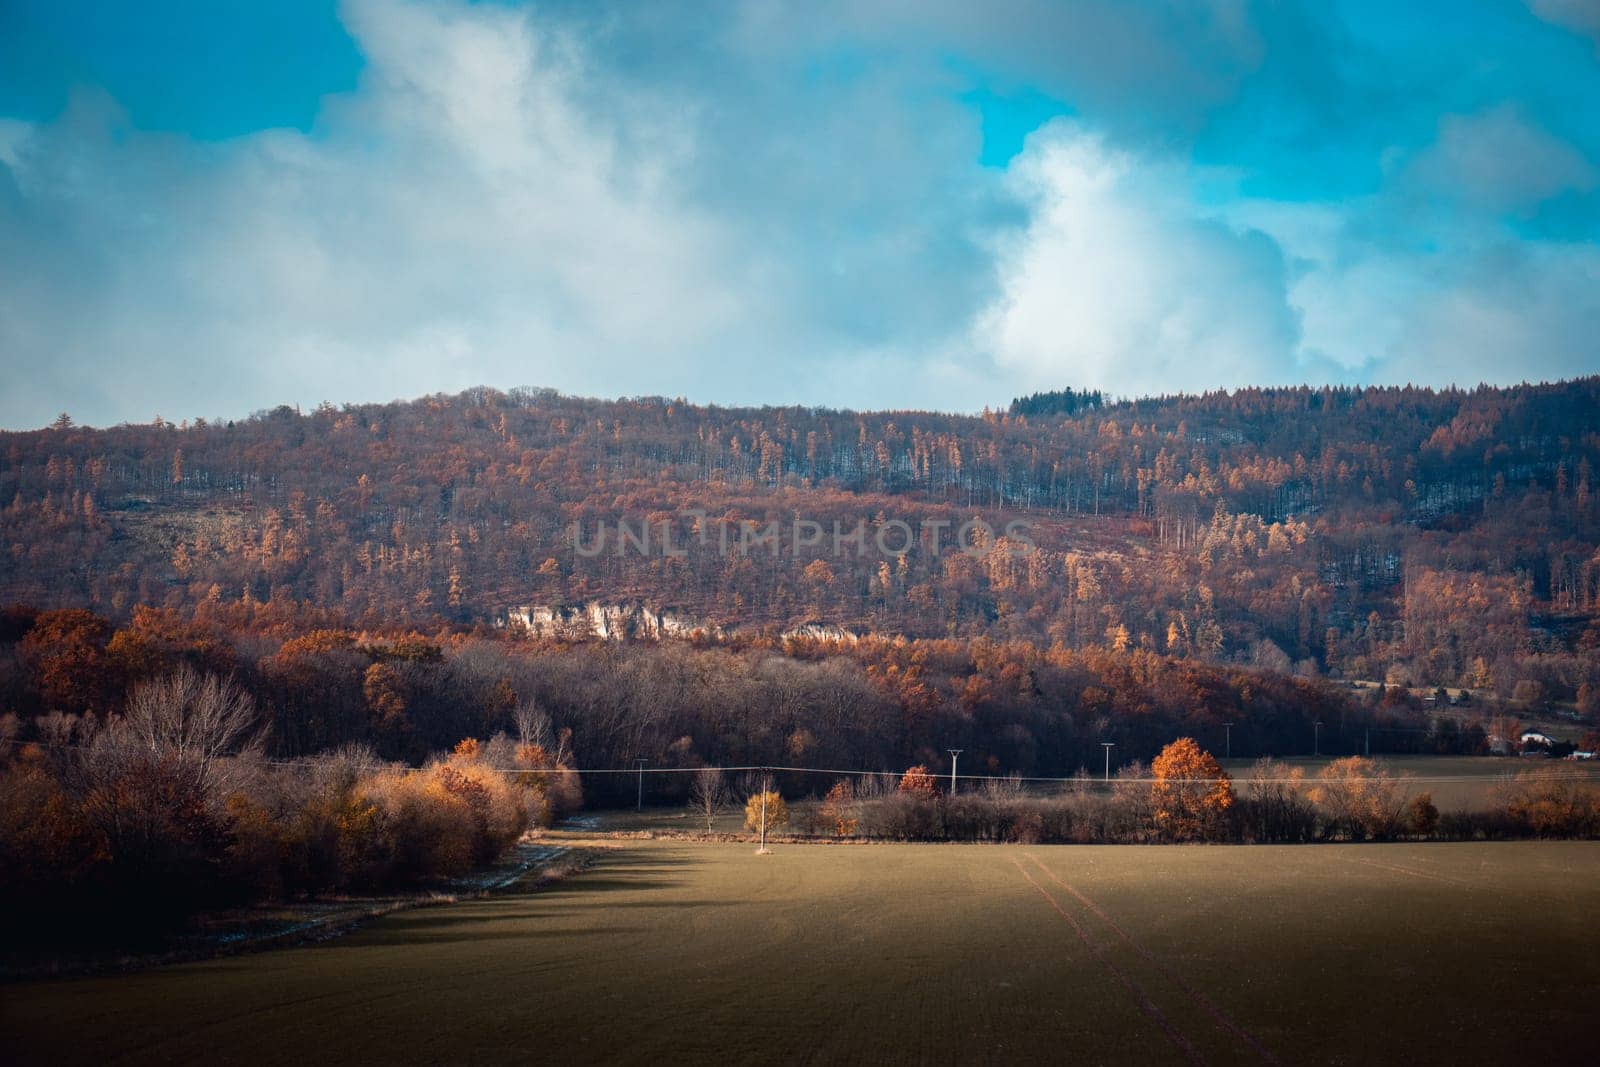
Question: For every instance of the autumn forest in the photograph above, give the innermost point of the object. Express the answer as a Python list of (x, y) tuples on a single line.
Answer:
[(1412, 536)]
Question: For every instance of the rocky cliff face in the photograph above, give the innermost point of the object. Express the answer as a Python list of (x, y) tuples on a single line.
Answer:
[(822, 631), (610, 622), (622, 622)]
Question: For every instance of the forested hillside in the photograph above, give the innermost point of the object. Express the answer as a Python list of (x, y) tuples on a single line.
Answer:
[(1426, 537)]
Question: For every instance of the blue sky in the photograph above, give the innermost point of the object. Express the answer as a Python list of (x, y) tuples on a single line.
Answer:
[(210, 208)]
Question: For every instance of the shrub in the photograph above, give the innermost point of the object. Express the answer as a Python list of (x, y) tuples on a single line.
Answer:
[(917, 782), (902, 817), (1275, 806), (1060, 819), (549, 788), (1553, 802), (839, 809), (1422, 816), (975, 818), (1027, 828), (150, 821), (256, 849), (1360, 799)]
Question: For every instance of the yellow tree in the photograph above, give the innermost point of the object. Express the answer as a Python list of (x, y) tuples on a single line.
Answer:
[(1191, 791), (1119, 637), (818, 573), (765, 811)]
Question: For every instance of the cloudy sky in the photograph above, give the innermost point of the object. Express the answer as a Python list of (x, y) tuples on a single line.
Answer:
[(210, 208)]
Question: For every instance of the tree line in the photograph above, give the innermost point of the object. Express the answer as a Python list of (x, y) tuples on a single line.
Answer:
[(174, 763), (1182, 795)]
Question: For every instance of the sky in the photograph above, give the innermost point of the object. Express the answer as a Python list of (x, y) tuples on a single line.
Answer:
[(212, 207)]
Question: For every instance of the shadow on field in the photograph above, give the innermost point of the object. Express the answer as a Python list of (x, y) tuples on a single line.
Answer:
[(520, 912), (628, 872), (466, 931)]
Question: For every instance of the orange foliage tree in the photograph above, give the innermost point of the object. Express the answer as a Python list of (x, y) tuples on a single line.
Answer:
[(919, 783), (838, 809), (1191, 791), (66, 654)]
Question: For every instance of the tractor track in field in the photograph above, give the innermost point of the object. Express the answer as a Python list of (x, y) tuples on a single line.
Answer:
[(1200, 1000), (1140, 996)]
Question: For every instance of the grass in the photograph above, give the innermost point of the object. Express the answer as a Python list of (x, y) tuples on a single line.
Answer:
[(666, 951)]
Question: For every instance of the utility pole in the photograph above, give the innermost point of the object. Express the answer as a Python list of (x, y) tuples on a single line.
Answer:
[(1316, 739), (1108, 746), (1228, 726), (955, 754), (762, 851), (641, 761), (1366, 741)]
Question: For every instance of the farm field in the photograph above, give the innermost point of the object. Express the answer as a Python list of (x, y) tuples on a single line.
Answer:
[(667, 951)]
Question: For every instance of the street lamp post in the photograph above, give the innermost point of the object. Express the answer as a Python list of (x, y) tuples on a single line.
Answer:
[(640, 761), (1228, 726), (955, 754), (1108, 746), (1316, 740)]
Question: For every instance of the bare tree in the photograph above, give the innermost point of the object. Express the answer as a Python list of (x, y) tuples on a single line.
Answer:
[(153, 778), (58, 729), (1130, 797), (1277, 806), (708, 794), (191, 719), (535, 728), (533, 724), (876, 786), (1005, 789)]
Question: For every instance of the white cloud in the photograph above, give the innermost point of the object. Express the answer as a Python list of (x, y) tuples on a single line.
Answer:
[(459, 219), (1496, 161), (1118, 282), (14, 135), (1424, 281), (1513, 312), (1579, 16), (768, 208)]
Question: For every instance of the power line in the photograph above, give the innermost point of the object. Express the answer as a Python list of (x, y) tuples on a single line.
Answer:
[(303, 761)]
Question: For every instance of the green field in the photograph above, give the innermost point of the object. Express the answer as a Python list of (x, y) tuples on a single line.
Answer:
[(665, 951)]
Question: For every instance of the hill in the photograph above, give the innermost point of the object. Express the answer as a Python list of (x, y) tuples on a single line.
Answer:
[(1436, 538)]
